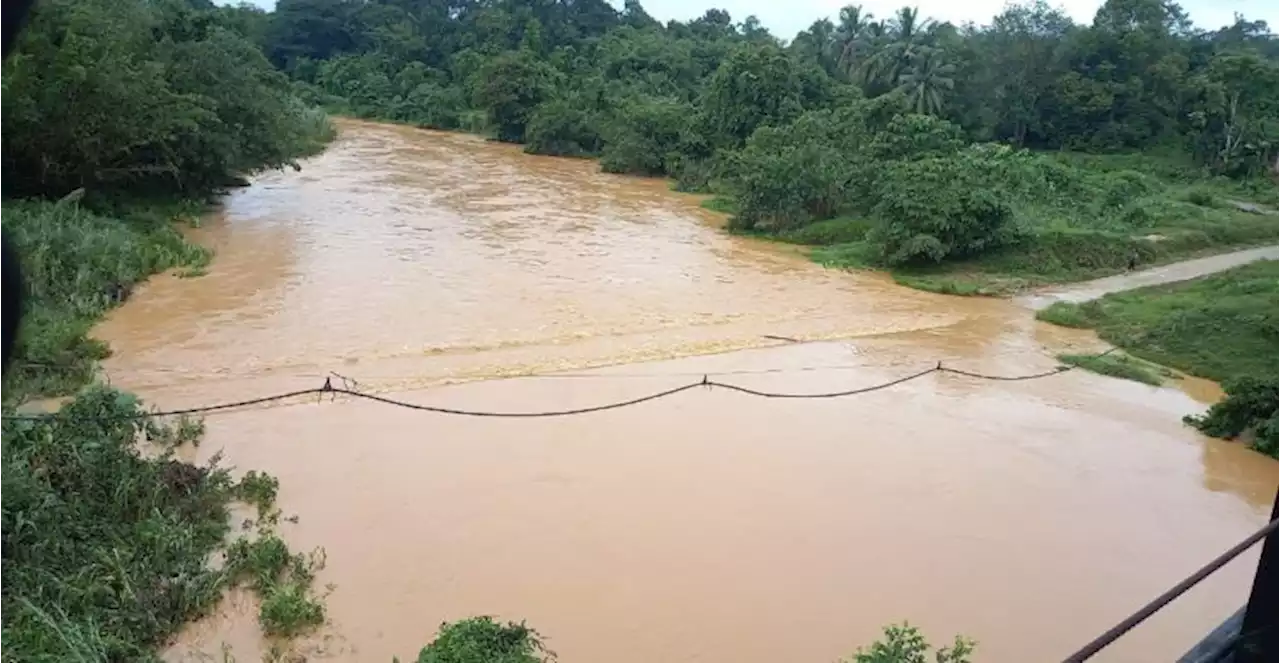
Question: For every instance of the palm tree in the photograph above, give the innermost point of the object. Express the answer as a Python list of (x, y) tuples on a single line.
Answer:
[(926, 79), (851, 35), (904, 36)]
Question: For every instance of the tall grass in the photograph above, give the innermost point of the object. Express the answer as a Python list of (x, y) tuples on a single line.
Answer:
[(108, 541), (77, 265), (1119, 366), (1217, 327)]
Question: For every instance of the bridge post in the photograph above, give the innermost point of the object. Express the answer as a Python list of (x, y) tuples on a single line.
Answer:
[(1258, 630)]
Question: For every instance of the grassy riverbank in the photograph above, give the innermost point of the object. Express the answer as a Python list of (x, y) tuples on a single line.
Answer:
[(1072, 217), (1216, 327), (1119, 366), (1222, 327), (131, 115), (107, 543), (77, 265)]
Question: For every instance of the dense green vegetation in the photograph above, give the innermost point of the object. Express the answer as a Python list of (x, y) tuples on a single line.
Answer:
[(483, 640), (1222, 327), (133, 114), (968, 159), (122, 117), (107, 541), (78, 264)]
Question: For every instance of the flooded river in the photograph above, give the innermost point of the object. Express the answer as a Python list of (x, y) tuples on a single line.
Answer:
[(709, 526)]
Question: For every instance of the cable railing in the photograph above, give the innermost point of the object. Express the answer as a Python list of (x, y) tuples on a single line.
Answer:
[(1259, 615)]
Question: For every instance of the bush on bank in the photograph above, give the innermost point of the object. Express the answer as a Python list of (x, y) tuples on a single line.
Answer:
[(108, 537), (484, 640), (1248, 409), (77, 265)]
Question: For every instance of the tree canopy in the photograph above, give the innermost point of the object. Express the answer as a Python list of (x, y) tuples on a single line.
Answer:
[(1139, 77)]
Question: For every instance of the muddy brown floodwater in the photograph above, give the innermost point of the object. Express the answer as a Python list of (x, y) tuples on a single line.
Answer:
[(710, 526)]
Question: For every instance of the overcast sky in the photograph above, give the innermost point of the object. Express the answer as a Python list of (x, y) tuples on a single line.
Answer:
[(785, 18)]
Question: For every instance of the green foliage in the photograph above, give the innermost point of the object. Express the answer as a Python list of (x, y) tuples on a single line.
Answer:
[(905, 644), (1079, 316), (850, 255), (645, 137), (282, 579), (143, 97), (1250, 406), (941, 207), (484, 640), (107, 548), (809, 169), (915, 136), (789, 175), (77, 265), (840, 230), (562, 127), (1118, 366), (509, 87), (756, 86), (721, 204)]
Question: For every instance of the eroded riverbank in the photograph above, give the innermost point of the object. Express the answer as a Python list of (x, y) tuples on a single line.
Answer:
[(710, 526)]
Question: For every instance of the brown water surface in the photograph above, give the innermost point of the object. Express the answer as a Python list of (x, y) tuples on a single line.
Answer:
[(711, 526)]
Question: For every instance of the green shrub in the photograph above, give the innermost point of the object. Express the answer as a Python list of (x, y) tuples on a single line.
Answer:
[(905, 644), (562, 127), (936, 209), (644, 137), (484, 640), (1201, 196), (1250, 406), (77, 265), (721, 204), (431, 106), (852, 255), (106, 548)]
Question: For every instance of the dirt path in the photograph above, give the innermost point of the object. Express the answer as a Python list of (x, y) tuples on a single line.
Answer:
[(1178, 271)]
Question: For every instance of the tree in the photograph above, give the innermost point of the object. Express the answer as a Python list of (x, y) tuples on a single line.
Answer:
[(1232, 121), (645, 136), (511, 86), (756, 86), (136, 96), (855, 38), (895, 50), (926, 80), (938, 208), (483, 640), (565, 127), (1025, 44), (316, 29), (905, 644)]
